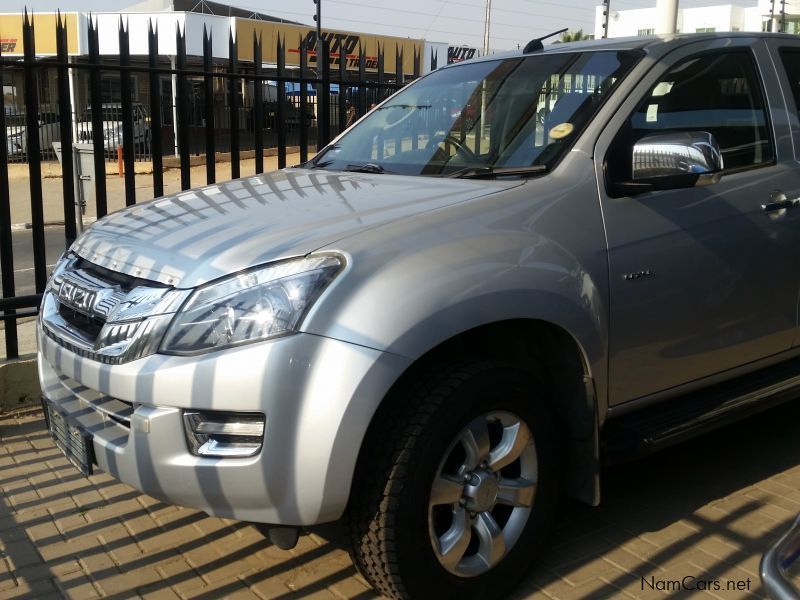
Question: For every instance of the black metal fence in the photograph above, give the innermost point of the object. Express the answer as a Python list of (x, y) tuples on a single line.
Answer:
[(301, 107)]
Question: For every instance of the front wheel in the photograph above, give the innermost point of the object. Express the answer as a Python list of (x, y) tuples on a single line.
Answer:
[(456, 486)]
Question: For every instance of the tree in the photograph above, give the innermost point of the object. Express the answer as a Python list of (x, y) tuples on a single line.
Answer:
[(574, 36)]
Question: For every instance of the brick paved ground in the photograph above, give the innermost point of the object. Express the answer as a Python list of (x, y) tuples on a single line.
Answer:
[(705, 509)]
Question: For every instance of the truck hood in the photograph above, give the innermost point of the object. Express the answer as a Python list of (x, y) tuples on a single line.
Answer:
[(192, 237)]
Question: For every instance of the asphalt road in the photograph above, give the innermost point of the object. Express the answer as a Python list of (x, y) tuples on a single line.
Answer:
[(22, 244)]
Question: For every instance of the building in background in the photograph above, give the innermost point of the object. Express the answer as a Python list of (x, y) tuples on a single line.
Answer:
[(764, 15), (193, 17)]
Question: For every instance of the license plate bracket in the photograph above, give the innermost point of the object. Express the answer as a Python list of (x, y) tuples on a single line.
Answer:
[(72, 439)]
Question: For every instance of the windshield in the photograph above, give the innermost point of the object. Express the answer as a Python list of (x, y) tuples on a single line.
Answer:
[(511, 113)]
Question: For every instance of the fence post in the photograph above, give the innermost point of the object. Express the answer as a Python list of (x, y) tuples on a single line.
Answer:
[(323, 103), (233, 62), (128, 150), (362, 81), (303, 102), (98, 142), (258, 107), (381, 77), (155, 112), (34, 153), (65, 122), (343, 89), (6, 248), (208, 93), (183, 109), (280, 113)]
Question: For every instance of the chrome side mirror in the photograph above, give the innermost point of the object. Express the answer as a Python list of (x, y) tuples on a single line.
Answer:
[(676, 160)]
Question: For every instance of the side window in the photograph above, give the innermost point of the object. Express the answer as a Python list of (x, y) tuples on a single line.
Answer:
[(718, 93), (791, 62)]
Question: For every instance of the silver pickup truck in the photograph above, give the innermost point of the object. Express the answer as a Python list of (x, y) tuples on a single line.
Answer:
[(439, 326)]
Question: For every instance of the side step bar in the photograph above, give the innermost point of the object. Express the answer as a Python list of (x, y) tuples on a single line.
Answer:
[(676, 419)]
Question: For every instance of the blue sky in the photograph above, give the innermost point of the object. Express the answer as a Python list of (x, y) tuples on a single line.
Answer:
[(456, 22)]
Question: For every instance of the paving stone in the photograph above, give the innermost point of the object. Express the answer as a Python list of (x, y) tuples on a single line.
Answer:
[(157, 592), (70, 522), (60, 569), (77, 585), (595, 588), (33, 589), (352, 587), (69, 548), (44, 533), (33, 573), (21, 554), (7, 580), (17, 534), (101, 538), (166, 538), (128, 580)]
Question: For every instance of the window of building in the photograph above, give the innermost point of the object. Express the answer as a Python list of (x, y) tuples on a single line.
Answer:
[(643, 32), (706, 29)]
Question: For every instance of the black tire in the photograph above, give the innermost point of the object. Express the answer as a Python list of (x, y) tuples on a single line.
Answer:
[(388, 512)]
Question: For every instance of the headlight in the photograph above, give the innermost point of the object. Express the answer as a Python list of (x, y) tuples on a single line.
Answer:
[(250, 307)]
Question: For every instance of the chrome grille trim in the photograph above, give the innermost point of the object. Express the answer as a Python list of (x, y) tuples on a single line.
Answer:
[(132, 318)]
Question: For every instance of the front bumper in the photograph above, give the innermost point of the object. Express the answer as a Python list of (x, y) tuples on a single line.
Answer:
[(318, 395)]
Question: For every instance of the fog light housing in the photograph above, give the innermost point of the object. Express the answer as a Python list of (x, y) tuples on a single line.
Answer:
[(224, 434)]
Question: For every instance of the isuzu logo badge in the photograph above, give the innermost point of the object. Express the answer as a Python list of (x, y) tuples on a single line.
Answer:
[(75, 296)]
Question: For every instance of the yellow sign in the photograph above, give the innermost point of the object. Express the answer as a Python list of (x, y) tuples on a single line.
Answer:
[(294, 35), (44, 26)]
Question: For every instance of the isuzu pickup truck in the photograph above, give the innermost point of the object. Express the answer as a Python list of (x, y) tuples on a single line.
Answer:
[(438, 327)]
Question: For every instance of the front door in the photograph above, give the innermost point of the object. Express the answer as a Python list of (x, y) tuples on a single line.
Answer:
[(704, 279)]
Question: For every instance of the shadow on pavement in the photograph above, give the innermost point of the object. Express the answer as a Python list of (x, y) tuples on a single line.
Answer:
[(705, 510)]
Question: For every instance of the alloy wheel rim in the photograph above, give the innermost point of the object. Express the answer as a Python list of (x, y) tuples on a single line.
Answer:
[(482, 494)]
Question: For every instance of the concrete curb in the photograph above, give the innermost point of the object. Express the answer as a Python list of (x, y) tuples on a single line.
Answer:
[(24, 226), (19, 383)]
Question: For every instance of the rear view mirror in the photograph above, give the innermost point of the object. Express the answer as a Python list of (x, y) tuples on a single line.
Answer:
[(673, 161)]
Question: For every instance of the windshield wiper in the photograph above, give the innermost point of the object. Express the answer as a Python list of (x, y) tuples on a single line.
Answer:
[(365, 168), (487, 172), (320, 164)]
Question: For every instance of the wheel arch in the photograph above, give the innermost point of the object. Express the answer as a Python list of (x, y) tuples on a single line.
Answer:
[(548, 352)]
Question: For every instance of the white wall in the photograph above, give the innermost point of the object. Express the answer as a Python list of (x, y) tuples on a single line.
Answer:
[(431, 48), (625, 23), (166, 23), (720, 18)]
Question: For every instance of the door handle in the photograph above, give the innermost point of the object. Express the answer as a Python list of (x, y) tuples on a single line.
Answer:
[(779, 201), (780, 204)]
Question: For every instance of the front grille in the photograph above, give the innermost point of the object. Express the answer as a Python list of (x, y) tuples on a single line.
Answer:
[(88, 326), (105, 315), (109, 289)]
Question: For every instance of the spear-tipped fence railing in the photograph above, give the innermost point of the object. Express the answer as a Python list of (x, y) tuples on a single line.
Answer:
[(212, 113)]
